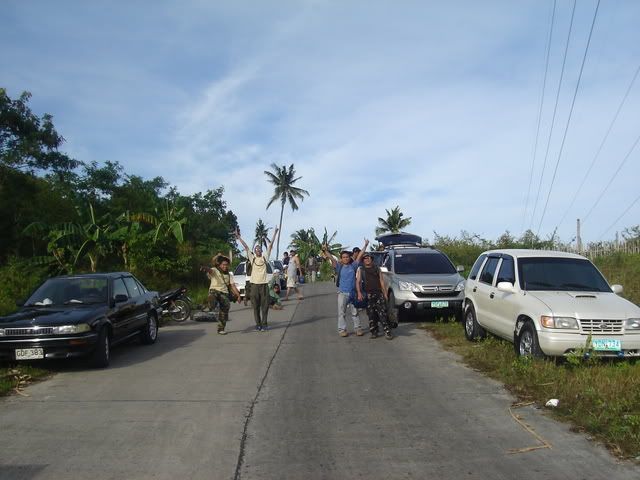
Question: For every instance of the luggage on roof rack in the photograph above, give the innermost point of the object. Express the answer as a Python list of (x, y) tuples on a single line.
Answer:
[(401, 239)]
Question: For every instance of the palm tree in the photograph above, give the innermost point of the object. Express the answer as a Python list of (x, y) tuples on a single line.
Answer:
[(393, 223), (283, 179), (262, 234)]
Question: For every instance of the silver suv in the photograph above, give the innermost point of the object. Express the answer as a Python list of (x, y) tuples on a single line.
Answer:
[(420, 280)]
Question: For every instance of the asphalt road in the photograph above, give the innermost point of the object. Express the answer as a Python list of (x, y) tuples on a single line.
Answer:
[(297, 402)]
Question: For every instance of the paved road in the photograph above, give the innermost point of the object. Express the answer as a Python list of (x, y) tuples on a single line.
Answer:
[(297, 402)]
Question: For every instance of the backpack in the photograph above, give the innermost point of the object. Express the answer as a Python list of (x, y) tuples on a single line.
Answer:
[(248, 267)]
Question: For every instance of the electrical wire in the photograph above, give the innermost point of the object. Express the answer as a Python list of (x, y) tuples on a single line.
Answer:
[(618, 219), (555, 110), (604, 140), (544, 85), (566, 128), (615, 174)]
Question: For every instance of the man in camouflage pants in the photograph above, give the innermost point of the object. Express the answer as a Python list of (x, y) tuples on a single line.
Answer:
[(222, 285), (370, 283)]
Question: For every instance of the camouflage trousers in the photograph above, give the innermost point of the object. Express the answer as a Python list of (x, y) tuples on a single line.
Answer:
[(377, 312), (221, 299)]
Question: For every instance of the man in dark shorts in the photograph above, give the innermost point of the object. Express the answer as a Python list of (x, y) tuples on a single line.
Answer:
[(370, 284)]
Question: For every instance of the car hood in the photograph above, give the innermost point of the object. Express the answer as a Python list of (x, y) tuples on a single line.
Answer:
[(50, 316), (431, 278), (587, 304)]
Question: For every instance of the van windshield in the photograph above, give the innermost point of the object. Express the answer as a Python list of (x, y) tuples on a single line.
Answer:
[(563, 274), (426, 263)]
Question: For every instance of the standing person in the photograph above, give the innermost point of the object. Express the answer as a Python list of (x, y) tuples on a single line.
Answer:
[(285, 258), (221, 288), (370, 285), (292, 277), (312, 267), (258, 280), (346, 283), (247, 283)]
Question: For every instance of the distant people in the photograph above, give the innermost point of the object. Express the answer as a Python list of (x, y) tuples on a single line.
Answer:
[(312, 267), (370, 285), (285, 258), (222, 287), (258, 281), (345, 270), (292, 275)]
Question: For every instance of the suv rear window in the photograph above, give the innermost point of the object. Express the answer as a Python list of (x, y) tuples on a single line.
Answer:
[(426, 263), (489, 270)]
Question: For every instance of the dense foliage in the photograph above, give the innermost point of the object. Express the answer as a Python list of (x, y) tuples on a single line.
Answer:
[(61, 215)]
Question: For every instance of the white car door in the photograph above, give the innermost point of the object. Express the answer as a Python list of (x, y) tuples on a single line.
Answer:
[(506, 305), (483, 293)]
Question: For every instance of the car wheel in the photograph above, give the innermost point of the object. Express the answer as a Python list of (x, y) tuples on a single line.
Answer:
[(472, 329), (528, 345), (180, 311), (149, 334), (102, 354), (393, 311)]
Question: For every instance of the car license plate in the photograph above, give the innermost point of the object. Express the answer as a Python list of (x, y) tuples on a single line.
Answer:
[(29, 353), (606, 344), (439, 304)]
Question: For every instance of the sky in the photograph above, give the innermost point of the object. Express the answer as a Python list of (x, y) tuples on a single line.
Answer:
[(434, 107)]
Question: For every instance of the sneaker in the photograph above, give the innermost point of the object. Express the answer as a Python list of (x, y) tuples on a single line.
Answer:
[(373, 335), (343, 333), (258, 328), (221, 332), (359, 332), (265, 328), (388, 336)]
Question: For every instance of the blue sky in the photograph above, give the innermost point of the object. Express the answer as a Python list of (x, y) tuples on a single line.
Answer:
[(425, 105)]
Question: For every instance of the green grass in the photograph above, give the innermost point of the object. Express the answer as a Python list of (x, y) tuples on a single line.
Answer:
[(15, 377), (599, 397)]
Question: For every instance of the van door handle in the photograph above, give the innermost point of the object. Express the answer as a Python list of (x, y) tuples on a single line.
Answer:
[(492, 295), (474, 289)]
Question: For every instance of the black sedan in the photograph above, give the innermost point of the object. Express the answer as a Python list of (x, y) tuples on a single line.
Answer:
[(80, 315)]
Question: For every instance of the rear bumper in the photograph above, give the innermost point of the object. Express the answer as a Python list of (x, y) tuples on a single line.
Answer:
[(53, 347), (561, 344)]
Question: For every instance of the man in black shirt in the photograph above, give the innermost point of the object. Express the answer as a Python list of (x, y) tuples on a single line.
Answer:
[(370, 284)]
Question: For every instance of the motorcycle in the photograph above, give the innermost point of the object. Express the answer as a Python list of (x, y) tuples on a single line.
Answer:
[(176, 304)]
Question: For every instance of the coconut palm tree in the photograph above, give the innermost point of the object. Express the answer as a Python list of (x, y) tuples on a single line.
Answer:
[(283, 179), (393, 223), (262, 234)]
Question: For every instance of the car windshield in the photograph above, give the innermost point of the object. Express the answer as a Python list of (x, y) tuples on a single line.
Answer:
[(425, 263), (564, 274), (69, 291), (277, 264)]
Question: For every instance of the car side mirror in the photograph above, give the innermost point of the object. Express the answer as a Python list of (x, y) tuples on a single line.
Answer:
[(460, 268), (384, 269), (120, 298), (617, 289), (506, 287)]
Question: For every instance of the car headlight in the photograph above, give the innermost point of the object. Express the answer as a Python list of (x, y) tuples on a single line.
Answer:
[(460, 286), (1, 332), (559, 322), (67, 329), (408, 286), (630, 324)]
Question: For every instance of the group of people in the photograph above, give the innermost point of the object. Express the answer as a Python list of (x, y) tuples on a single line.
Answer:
[(359, 281)]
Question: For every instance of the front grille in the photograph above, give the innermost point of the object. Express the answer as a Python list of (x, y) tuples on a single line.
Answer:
[(601, 325), (437, 288), (17, 332), (436, 294)]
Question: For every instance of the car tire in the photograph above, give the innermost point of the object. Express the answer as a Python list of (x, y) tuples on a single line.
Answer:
[(472, 329), (392, 311), (149, 334), (528, 345), (101, 356)]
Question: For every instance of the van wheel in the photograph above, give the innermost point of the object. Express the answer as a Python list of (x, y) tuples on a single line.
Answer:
[(472, 329), (528, 345), (102, 354)]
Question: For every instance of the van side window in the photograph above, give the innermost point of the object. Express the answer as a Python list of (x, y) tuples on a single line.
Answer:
[(489, 270), (507, 271), (476, 267)]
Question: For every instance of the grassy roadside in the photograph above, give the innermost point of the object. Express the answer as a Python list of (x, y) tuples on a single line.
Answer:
[(601, 398), (15, 377)]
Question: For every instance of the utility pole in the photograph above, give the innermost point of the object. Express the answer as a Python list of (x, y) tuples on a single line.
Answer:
[(578, 237)]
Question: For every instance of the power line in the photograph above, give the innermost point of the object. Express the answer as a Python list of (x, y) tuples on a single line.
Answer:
[(618, 219), (555, 109), (544, 85), (604, 140), (624, 160), (566, 128)]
